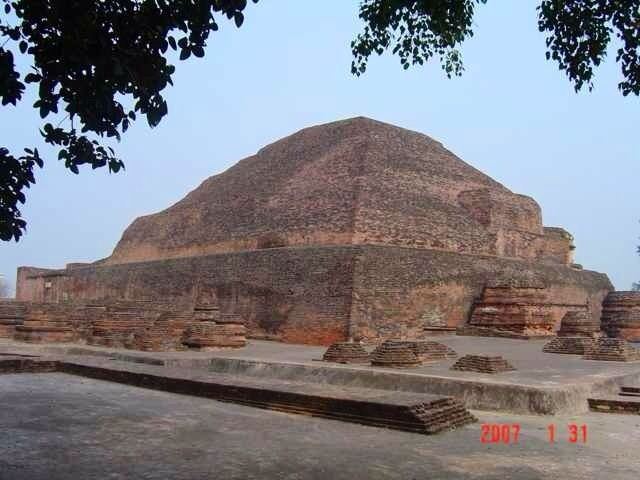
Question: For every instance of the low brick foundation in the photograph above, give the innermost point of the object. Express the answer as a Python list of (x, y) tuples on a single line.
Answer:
[(612, 350), (482, 364), (141, 325), (346, 352)]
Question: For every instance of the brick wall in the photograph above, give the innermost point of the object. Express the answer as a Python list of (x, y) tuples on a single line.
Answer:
[(399, 291), (322, 294), (300, 295)]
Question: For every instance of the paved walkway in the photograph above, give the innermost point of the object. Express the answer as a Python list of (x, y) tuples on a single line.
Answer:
[(62, 427)]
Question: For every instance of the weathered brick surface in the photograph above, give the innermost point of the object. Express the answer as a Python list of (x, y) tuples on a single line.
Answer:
[(577, 334), (139, 325), (612, 350), (519, 310), (428, 351), (400, 291), (296, 295), (46, 322), (621, 315), (354, 229), (579, 323), (346, 352), (569, 345), (321, 295), (482, 364), (205, 335), (11, 315), (355, 181), (395, 354)]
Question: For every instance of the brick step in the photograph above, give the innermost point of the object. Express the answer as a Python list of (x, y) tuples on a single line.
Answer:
[(630, 390), (614, 405), (414, 412)]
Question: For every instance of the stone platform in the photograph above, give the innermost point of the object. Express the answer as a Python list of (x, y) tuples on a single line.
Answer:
[(542, 384), (413, 412), (627, 401)]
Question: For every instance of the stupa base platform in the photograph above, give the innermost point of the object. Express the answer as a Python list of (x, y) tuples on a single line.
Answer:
[(542, 384), (569, 345), (483, 364), (346, 352), (612, 350), (413, 412)]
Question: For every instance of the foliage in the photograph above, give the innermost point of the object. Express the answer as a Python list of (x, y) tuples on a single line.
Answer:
[(578, 35), (89, 58), (415, 31)]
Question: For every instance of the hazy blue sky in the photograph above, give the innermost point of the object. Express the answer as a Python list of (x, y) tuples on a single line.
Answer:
[(513, 115)]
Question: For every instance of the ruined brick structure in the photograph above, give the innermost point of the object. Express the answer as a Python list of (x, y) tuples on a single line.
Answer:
[(395, 354), (428, 351), (577, 334), (522, 312), (139, 325), (11, 316), (482, 364), (346, 352), (612, 350), (354, 229), (621, 315)]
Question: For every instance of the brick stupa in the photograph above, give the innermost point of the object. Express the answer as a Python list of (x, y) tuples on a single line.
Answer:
[(482, 363), (577, 334), (512, 311), (429, 351), (353, 229), (346, 352), (612, 350), (395, 354), (621, 315)]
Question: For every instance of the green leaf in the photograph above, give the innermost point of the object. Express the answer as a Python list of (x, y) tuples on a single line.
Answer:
[(239, 19)]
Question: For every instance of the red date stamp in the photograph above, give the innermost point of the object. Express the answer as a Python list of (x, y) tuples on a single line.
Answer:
[(509, 433), (574, 433), (500, 433)]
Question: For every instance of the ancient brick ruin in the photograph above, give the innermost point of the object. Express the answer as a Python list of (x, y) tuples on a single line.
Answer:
[(141, 325), (11, 316), (612, 350), (395, 354), (346, 352), (514, 312), (482, 364), (621, 315), (578, 331), (351, 230), (428, 351)]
